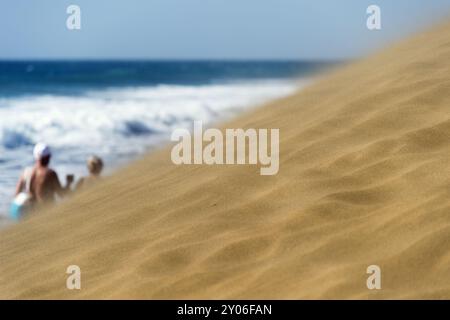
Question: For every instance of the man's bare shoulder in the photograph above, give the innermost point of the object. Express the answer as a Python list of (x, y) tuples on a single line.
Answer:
[(51, 174)]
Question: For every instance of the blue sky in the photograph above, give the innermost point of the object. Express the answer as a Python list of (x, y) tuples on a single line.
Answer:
[(207, 29)]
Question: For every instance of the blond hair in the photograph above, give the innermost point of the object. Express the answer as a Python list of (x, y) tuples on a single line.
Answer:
[(95, 164)]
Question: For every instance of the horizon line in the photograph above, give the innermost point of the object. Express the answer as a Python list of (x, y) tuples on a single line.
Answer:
[(324, 60)]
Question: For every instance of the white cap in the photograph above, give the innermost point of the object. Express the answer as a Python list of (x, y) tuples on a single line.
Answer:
[(41, 150)]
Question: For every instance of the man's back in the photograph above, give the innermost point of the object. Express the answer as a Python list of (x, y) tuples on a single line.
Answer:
[(45, 184), (38, 184)]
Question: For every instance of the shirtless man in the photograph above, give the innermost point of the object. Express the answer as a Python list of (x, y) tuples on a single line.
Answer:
[(44, 182)]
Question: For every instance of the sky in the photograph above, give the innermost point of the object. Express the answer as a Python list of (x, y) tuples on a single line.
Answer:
[(208, 29)]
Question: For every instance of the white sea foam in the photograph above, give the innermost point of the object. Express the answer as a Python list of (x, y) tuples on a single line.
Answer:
[(117, 124)]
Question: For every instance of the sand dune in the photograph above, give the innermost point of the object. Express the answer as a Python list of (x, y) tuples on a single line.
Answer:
[(364, 179)]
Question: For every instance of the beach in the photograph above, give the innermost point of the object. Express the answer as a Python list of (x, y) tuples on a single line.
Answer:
[(120, 110), (364, 179)]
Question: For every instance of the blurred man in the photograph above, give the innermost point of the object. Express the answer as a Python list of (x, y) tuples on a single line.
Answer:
[(41, 182)]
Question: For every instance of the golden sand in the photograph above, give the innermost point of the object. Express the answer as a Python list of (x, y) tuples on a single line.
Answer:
[(364, 179)]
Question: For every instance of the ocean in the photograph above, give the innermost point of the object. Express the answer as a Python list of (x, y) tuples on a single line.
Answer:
[(119, 110)]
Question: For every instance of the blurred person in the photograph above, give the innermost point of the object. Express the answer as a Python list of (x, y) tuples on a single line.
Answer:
[(38, 184), (95, 167)]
